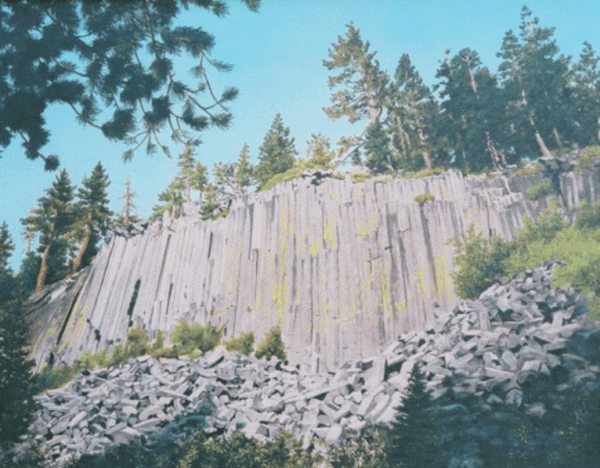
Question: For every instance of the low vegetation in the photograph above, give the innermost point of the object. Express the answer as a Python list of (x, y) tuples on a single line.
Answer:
[(585, 162), (424, 197), (539, 190), (359, 177), (529, 169), (243, 344), (421, 173), (186, 340), (271, 345), (576, 245), (299, 167)]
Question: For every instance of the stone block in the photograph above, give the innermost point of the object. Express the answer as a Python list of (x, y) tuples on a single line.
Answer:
[(334, 434), (531, 366)]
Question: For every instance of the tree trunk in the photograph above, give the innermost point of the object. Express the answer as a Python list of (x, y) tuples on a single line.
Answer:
[(540, 141), (498, 158), (423, 140), (557, 138), (41, 279), (82, 249)]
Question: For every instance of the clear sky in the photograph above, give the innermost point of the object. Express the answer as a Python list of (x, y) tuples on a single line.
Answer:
[(277, 56)]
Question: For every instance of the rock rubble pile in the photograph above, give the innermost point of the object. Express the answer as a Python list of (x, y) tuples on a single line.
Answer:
[(490, 349)]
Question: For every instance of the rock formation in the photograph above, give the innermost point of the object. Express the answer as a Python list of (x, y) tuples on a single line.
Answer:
[(517, 337), (344, 268)]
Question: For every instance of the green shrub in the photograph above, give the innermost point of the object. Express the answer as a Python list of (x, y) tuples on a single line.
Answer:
[(191, 338), (359, 177), (294, 172), (382, 179), (87, 360), (200, 450), (529, 169), (50, 377), (363, 450), (424, 197), (338, 176), (585, 162), (425, 172), (159, 342), (589, 216), (118, 356), (137, 342), (243, 344), (271, 345), (478, 262), (101, 358), (167, 353), (539, 190)]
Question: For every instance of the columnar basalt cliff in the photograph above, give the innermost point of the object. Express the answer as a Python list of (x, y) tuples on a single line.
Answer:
[(343, 267)]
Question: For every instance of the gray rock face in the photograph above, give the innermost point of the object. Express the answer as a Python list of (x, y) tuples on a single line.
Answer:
[(472, 350), (344, 268)]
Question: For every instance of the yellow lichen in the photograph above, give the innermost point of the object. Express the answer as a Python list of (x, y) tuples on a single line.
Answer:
[(421, 284), (329, 233), (443, 278), (314, 249)]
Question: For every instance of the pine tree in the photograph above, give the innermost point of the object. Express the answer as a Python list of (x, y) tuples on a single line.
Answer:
[(52, 219), (363, 85), (191, 176), (186, 169), (411, 113), (585, 97), (473, 104), (535, 81), (412, 439), (199, 180), (7, 247), (362, 81), (277, 152), (128, 206), (319, 150), (16, 381), (377, 149), (124, 68), (233, 179), (93, 214), (244, 174)]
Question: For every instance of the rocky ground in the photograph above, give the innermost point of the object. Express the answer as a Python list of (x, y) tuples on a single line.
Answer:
[(520, 343)]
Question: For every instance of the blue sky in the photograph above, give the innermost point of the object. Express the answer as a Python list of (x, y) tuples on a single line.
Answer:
[(277, 56)]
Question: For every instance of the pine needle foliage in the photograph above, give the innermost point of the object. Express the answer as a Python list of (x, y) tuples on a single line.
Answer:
[(271, 345), (412, 440)]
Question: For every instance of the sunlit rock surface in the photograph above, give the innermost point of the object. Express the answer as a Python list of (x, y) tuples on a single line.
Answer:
[(344, 268)]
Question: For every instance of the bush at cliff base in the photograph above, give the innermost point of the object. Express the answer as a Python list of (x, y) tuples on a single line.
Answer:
[(271, 345)]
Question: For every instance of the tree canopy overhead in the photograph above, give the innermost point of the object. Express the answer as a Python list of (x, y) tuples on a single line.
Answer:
[(112, 63)]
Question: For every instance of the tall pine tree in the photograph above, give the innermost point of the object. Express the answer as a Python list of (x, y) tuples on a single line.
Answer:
[(411, 117), (16, 381), (7, 247), (536, 83), (473, 106), (363, 87), (412, 440), (277, 152), (127, 214), (233, 179), (52, 219), (93, 215), (585, 97)]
